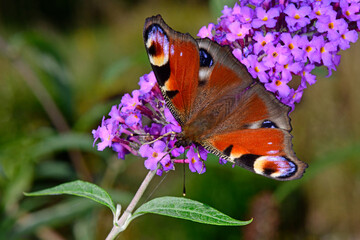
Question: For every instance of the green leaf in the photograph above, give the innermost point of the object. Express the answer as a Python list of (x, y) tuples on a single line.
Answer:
[(82, 189), (57, 215), (187, 209)]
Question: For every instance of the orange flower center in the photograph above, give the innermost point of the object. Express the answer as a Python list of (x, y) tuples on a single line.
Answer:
[(347, 13), (155, 154), (322, 49), (278, 82), (257, 69), (331, 25), (265, 19), (263, 43), (291, 46), (275, 54), (193, 160), (308, 49), (318, 13), (297, 16)]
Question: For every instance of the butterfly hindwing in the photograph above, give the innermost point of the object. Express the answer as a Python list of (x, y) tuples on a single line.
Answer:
[(256, 136), (266, 151)]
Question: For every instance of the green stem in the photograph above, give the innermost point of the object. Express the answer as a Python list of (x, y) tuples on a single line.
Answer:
[(121, 223)]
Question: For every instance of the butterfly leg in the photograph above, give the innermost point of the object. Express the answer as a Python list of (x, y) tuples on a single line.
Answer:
[(161, 137)]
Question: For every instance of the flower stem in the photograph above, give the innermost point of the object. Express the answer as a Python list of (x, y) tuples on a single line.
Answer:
[(119, 227)]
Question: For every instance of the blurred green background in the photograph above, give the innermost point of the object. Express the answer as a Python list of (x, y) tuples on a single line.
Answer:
[(64, 64)]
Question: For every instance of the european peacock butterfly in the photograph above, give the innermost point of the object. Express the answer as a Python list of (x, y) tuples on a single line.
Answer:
[(219, 105)]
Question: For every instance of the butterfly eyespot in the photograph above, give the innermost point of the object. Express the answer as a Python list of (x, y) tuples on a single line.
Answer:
[(157, 45), (205, 58), (275, 166), (268, 124)]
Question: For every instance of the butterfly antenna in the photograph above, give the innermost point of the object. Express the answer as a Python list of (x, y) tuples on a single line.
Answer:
[(156, 187), (144, 135), (162, 136), (184, 189)]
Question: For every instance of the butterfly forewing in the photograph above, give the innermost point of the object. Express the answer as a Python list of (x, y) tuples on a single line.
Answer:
[(219, 105), (174, 58)]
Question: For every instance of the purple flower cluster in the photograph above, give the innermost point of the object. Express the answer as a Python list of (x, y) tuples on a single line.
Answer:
[(279, 39), (141, 118), (275, 40)]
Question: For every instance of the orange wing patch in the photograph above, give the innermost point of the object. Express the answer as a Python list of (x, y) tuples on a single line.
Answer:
[(265, 151), (265, 141)]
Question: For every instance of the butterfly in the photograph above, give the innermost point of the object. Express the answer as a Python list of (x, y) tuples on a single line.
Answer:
[(218, 105)]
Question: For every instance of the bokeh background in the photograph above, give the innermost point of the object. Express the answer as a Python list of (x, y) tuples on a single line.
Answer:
[(63, 64)]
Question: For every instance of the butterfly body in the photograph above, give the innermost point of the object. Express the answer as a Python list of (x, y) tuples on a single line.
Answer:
[(219, 105)]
